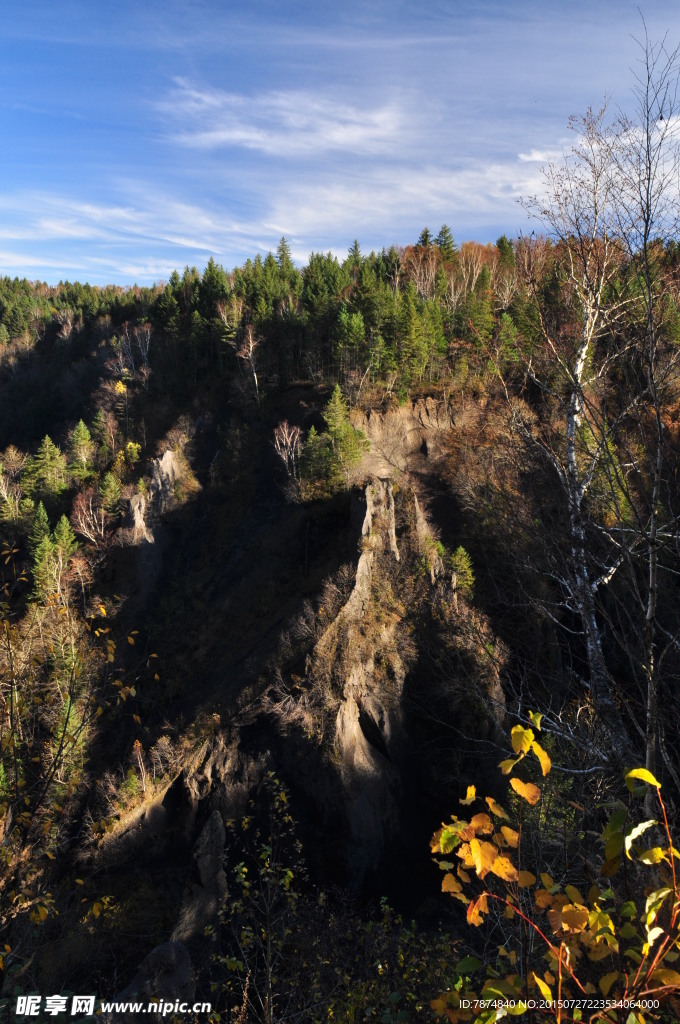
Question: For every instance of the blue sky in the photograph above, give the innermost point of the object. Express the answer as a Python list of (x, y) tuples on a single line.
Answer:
[(136, 138)]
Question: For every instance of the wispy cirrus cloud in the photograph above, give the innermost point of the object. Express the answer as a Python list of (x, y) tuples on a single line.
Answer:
[(401, 196), (280, 123)]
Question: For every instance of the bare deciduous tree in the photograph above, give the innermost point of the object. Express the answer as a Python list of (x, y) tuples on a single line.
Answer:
[(287, 442), (607, 207)]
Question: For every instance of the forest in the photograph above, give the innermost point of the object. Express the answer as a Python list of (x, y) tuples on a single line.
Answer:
[(296, 561)]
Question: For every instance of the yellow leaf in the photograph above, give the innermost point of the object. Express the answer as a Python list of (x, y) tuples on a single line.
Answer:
[(131, 641), (100, 711), (635, 833), (521, 739), (476, 909), (495, 808), (536, 718), (471, 796), (511, 837), (548, 880), (573, 894), (507, 766), (543, 758), (606, 982), (79, 881), (481, 823), (463, 875), (652, 856), (102, 611), (48, 854), (483, 855), (96, 909), (526, 790), (643, 775), (505, 869), (526, 879), (463, 852), (450, 883), (568, 918), (543, 988), (137, 719)]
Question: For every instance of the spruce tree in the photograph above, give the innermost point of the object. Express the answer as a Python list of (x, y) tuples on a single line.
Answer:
[(445, 243), (65, 542), (81, 448), (47, 469), (109, 492), (347, 443), (40, 527), (284, 258), (506, 251), (43, 568)]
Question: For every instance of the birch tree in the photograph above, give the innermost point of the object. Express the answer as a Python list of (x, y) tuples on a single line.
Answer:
[(646, 159), (577, 210), (608, 207)]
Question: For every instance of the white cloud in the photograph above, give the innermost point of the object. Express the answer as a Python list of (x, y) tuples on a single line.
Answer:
[(280, 123), (145, 232), (540, 156), (394, 195)]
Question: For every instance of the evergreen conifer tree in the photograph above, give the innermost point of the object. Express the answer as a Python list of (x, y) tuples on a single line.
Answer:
[(64, 539), (43, 568), (81, 449), (445, 243), (47, 469), (347, 443), (40, 527), (109, 492)]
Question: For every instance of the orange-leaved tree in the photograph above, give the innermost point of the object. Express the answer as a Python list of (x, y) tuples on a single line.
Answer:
[(609, 954)]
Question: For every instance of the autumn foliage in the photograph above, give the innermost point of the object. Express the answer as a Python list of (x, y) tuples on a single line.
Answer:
[(608, 954)]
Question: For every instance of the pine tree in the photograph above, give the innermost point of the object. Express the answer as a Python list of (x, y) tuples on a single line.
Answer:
[(81, 448), (506, 251), (354, 259), (51, 561), (65, 542), (445, 243), (413, 351), (43, 568), (109, 492), (284, 259), (212, 289), (351, 336), (47, 469), (347, 443), (40, 527)]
